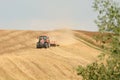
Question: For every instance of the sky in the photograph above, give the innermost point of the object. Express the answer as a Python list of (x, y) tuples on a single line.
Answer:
[(47, 14)]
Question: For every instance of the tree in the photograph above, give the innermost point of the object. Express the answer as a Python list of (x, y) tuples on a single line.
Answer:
[(108, 21)]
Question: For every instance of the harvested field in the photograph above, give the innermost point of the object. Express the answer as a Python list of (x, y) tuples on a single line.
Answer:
[(20, 60)]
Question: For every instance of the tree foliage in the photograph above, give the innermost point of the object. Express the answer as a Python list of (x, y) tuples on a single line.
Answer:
[(108, 21)]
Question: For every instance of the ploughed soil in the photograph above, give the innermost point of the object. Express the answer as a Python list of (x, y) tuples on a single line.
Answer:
[(21, 60)]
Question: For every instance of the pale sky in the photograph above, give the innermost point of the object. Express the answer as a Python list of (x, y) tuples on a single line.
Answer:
[(47, 14)]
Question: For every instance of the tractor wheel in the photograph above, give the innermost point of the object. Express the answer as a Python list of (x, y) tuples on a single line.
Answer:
[(37, 46), (46, 45)]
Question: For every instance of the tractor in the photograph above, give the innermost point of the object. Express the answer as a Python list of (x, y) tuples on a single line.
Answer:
[(44, 42)]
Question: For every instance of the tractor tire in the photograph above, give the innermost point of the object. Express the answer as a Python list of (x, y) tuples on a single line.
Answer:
[(46, 45), (37, 46)]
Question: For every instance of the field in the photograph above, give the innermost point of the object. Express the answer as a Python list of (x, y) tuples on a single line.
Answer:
[(20, 60)]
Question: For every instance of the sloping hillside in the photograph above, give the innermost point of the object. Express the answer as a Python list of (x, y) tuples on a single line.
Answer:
[(20, 60)]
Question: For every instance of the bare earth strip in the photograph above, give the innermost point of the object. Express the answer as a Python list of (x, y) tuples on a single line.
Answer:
[(20, 60)]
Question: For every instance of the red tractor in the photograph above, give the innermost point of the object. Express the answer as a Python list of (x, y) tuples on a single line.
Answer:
[(44, 42)]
